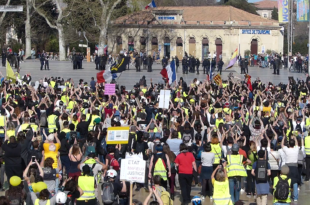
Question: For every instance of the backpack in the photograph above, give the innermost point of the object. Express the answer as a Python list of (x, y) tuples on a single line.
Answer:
[(114, 163), (43, 119), (282, 189), (261, 171), (165, 197), (139, 147), (90, 148), (107, 195), (212, 120), (91, 168), (73, 135), (187, 138), (49, 173), (15, 200)]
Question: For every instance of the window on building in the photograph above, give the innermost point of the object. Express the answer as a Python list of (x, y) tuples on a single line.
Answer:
[(265, 15)]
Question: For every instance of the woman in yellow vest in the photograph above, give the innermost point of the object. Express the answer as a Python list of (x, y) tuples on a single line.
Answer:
[(87, 184), (221, 194), (216, 146)]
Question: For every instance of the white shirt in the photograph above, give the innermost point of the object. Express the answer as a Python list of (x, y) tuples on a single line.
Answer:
[(273, 156), (291, 154), (283, 157)]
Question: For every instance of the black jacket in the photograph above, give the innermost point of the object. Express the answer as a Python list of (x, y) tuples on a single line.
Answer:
[(206, 63), (12, 155)]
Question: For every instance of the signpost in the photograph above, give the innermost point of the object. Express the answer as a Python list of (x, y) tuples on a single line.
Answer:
[(83, 45)]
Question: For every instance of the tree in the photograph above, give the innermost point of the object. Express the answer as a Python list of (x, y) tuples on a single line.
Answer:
[(274, 14), (55, 19), (4, 13), (242, 4)]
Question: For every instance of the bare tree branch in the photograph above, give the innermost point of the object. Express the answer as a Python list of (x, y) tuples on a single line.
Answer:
[(44, 16), (111, 10), (94, 19), (101, 2), (4, 13), (39, 7)]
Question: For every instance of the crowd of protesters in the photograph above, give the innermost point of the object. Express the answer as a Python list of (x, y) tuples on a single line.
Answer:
[(225, 138)]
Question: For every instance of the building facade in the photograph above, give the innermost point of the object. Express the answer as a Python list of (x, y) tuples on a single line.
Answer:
[(265, 8), (198, 31)]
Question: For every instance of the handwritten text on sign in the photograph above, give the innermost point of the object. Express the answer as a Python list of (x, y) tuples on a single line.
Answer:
[(133, 170), (109, 89)]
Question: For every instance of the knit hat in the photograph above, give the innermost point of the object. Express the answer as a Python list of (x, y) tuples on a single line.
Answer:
[(285, 170)]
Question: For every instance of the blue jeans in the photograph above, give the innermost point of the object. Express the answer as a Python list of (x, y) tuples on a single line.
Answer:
[(65, 162), (46, 132), (234, 188), (295, 191)]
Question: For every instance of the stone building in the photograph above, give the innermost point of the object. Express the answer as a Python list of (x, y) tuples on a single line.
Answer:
[(265, 8), (218, 30)]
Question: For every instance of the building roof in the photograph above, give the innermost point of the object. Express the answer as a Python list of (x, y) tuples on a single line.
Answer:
[(266, 4), (194, 14)]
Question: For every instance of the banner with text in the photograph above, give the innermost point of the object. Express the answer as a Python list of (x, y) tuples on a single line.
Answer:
[(133, 170), (283, 11), (302, 10)]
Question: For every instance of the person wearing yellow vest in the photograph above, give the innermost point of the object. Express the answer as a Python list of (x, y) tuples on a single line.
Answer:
[(87, 184), (284, 176), (2, 123), (25, 125), (65, 127), (216, 148), (235, 171), (307, 151), (221, 194), (51, 121)]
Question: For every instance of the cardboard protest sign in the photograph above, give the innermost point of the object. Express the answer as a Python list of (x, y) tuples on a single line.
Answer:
[(164, 99), (117, 135), (133, 170)]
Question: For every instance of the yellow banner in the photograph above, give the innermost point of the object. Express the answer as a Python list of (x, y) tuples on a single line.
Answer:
[(9, 72), (283, 11)]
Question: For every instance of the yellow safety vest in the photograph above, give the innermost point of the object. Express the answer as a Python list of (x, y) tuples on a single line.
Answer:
[(66, 130), (10, 133), (160, 169), (2, 123), (307, 121), (24, 126), (218, 122), (91, 124), (37, 202), (307, 145), (51, 120), (34, 127), (216, 149), (75, 123), (64, 99), (235, 166), (52, 83), (71, 104), (87, 184), (221, 194)]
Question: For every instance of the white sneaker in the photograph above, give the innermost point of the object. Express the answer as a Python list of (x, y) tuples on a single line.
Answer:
[(211, 198), (242, 191), (202, 198), (295, 200)]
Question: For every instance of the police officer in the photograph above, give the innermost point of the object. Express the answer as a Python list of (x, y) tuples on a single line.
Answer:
[(97, 61), (185, 65), (74, 61), (42, 60), (46, 61), (137, 61), (206, 66)]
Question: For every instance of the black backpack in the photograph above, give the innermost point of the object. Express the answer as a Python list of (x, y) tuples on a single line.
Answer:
[(139, 147), (282, 189), (261, 171), (73, 136), (49, 173)]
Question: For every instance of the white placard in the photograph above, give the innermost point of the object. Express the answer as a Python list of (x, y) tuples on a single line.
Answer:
[(11, 8), (133, 170), (164, 99)]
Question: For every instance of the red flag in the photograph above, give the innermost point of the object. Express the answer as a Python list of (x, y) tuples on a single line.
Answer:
[(164, 73), (103, 76), (249, 84)]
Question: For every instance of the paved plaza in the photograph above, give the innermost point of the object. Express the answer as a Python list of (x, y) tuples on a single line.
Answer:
[(130, 77)]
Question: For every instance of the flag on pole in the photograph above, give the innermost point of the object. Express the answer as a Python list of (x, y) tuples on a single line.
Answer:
[(104, 76), (210, 77), (9, 72), (217, 79), (151, 5), (233, 59), (169, 73)]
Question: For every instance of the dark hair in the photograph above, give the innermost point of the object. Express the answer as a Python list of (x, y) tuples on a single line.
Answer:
[(230, 140), (71, 126), (111, 149), (35, 144), (183, 147), (4, 200), (264, 142), (44, 194), (207, 147), (157, 179), (291, 143), (48, 162), (261, 153), (71, 186)]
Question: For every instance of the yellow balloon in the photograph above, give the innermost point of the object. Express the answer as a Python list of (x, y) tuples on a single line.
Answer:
[(38, 187), (15, 180)]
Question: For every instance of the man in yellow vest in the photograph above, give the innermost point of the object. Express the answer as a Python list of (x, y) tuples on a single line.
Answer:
[(235, 170), (307, 150), (51, 121), (25, 125), (87, 184)]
